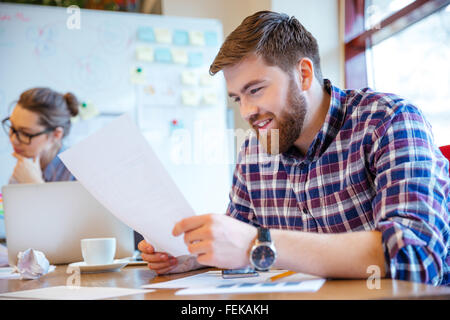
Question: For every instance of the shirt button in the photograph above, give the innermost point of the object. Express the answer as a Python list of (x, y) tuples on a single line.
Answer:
[(305, 211)]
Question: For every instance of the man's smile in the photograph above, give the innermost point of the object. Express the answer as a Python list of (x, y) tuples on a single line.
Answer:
[(262, 124)]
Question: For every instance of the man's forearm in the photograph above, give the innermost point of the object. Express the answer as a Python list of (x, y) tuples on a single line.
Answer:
[(343, 255)]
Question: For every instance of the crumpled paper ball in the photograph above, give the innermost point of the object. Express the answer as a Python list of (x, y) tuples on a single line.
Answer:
[(186, 263), (32, 264)]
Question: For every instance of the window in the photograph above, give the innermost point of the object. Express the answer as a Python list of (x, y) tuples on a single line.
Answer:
[(403, 47)]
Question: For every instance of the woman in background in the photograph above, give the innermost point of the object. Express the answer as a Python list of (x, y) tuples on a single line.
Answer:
[(36, 128)]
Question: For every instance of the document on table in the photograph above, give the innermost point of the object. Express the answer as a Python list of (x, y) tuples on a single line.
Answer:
[(249, 287), (73, 293), (214, 279), (119, 168)]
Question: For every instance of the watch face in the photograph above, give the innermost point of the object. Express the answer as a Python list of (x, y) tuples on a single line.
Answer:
[(263, 257)]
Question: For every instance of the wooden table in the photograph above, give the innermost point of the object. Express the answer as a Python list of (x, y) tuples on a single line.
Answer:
[(136, 276)]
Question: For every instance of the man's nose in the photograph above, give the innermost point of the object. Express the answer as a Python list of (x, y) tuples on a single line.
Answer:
[(248, 110)]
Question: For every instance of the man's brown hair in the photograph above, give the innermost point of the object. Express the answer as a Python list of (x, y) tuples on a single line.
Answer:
[(279, 39)]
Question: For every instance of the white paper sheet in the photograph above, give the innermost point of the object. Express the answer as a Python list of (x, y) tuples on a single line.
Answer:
[(119, 168), (73, 293), (214, 278), (248, 287)]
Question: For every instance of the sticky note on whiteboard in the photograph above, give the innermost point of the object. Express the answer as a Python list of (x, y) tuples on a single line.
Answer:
[(163, 35), (87, 111), (189, 78), (211, 38), (163, 55), (210, 98), (146, 34), (180, 38), (179, 56), (195, 59), (197, 38), (144, 54), (190, 97)]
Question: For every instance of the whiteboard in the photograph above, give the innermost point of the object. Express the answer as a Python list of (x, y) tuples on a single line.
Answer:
[(179, 108)]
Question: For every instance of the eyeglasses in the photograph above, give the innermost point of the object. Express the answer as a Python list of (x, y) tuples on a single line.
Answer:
[(23, 137)]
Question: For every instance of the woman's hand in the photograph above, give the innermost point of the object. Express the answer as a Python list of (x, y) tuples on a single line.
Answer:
[(27, 170)]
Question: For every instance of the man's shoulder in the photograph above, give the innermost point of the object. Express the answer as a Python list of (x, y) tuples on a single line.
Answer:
[(376, 108)]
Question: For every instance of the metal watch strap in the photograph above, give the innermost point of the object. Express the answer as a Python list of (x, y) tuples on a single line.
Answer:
[(264, 235)]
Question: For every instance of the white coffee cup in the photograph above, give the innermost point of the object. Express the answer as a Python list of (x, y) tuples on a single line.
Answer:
[(97, 251)]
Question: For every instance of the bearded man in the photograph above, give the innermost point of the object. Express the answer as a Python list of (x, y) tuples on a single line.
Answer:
[(351, 179)]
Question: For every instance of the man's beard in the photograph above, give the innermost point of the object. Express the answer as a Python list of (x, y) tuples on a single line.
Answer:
[(290, 123)]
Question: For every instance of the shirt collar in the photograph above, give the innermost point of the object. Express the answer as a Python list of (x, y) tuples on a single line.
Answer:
[(330, 128)]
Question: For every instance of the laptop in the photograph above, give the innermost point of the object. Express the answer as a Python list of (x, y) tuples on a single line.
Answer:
[(53, 217)]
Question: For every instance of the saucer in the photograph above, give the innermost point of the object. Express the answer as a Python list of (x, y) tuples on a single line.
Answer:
[(116, 265)]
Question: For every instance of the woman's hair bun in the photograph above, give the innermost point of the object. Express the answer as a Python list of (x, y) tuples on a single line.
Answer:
[(72, 103)]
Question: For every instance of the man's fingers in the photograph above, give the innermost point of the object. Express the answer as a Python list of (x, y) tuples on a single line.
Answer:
[(206, 259), (190, 223), (145, 247), (200, 247), (155, 257), (201, 234), (162, 265)]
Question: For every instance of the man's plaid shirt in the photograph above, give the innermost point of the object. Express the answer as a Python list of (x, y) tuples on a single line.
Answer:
[(372, 166)]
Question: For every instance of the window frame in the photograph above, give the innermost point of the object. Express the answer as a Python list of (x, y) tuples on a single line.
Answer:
[(357, 39)]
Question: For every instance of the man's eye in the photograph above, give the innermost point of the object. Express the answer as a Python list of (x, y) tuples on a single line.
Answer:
[(253, 91), (237, 99)]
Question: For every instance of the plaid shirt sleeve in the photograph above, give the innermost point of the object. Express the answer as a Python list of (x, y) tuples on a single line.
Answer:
[(411, 204)]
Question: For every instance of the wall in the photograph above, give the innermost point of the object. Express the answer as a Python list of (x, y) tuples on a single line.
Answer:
[(322, 20), (229, 12)]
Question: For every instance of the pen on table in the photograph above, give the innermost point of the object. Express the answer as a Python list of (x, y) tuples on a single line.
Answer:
[(281, 275)]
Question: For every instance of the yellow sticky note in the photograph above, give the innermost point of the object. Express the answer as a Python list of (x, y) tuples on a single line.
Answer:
[(163, 35), (210, 98), (144, 54), (179, 56), (206, 80), (87, 111), (137, 75), (189, 78), (197, 38), (190, 97)]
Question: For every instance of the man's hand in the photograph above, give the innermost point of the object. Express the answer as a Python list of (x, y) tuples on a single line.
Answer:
[(217, 240), (27, 170), (160, 262)]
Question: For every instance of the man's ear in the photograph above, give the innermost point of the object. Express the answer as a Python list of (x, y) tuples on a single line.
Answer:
[(305, 70)]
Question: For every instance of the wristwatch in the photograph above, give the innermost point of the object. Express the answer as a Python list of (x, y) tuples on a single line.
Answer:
[(263, 253)]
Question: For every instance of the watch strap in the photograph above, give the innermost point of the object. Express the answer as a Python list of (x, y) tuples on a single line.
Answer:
[(264, 235)]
